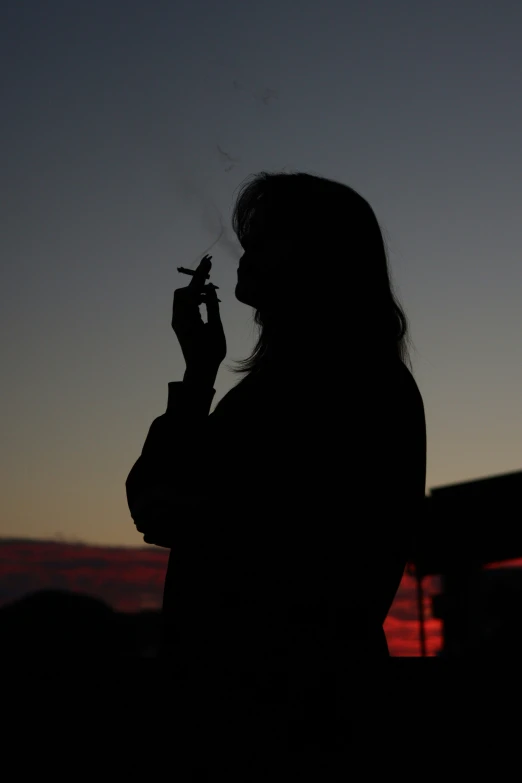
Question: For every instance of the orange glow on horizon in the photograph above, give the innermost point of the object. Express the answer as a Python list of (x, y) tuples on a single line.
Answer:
[(131, 579)]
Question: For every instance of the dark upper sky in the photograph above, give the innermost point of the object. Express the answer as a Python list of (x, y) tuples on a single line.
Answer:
[(127, 128)]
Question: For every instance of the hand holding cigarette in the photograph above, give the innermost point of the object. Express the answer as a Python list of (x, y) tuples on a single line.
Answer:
[(203, 344)]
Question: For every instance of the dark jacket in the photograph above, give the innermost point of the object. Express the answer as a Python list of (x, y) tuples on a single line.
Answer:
[(289, 512)]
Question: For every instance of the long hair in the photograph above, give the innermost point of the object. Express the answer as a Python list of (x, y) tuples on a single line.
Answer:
[(335, 232)]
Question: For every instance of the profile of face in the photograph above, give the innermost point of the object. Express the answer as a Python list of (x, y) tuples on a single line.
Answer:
[(254, 276), (263, 268)]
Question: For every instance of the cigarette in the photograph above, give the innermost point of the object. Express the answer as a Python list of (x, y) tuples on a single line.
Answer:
[(190, 272)]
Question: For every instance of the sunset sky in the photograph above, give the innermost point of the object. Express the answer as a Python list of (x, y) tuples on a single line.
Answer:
[(126, 131), (131, 579)]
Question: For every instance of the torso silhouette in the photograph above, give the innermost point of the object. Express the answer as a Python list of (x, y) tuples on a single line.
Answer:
[(289, 512)]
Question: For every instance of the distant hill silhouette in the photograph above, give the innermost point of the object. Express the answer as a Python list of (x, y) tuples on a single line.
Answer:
[(56, 623)]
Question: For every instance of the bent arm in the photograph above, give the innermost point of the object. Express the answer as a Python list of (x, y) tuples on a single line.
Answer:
[(161, 481)]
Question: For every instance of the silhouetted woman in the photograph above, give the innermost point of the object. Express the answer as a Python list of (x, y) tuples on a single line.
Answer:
[(289, 510)]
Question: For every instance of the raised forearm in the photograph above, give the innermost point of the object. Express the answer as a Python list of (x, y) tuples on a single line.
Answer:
[(159, 484)]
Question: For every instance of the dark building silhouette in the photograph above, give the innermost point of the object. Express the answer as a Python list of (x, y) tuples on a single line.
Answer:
[(466, 527)]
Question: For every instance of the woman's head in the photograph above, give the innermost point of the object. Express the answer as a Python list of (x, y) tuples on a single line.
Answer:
[(315, 270)]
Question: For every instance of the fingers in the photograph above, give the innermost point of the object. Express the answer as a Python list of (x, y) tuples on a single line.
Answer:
[(185, 311), (212, 304), (200, 274), (209, 292)]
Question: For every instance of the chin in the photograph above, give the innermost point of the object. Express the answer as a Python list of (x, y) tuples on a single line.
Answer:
[(244, 296)]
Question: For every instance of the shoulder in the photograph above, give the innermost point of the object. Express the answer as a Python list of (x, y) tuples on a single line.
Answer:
[(407, 385), (397, 384), (412, 405), (409, 424), (395, 408)]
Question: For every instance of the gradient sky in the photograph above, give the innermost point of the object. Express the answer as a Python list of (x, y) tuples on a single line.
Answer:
[(117, 122)]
